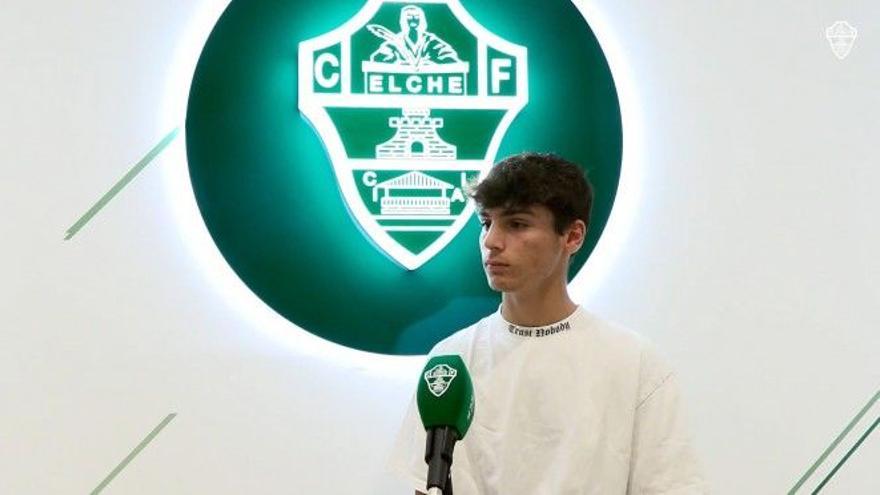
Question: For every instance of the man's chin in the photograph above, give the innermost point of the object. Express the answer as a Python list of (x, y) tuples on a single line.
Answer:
[(498, 284)]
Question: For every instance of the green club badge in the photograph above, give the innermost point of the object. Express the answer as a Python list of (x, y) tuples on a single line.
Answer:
[(411, 100), (329, 144)]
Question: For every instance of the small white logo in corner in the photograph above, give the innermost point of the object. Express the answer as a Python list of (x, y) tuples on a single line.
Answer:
[(842, 36), (439, 378)]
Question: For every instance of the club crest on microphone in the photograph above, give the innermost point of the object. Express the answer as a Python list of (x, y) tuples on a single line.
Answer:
[(439, 378)]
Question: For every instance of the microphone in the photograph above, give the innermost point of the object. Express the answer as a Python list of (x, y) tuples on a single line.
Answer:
[(445, 398)]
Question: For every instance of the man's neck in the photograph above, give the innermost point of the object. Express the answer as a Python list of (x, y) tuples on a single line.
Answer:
[(537, 308)]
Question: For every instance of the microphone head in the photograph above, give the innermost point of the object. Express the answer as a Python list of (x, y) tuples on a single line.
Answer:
[(446, 394)]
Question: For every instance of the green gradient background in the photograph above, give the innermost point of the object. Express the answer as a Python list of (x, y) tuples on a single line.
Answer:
[(268, 194)]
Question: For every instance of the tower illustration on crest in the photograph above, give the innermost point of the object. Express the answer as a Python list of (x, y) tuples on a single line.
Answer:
[(416, 137)]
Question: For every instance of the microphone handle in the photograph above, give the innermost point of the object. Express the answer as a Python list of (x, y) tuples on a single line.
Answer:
[(438, 491), (438, 455)]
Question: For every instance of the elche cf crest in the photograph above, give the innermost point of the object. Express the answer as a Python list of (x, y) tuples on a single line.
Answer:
[(439, 378), (329, 145), (411, 101)]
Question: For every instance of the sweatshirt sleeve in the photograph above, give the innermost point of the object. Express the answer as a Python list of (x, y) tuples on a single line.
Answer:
[(663, 458), (407, 458)]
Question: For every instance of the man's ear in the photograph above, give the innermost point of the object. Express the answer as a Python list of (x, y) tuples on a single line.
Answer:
[(574, 236)]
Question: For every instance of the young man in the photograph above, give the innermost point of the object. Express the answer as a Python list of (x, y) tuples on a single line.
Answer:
[(565, 402)]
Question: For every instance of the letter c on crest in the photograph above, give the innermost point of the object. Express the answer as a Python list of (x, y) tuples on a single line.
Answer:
[(321, 62), (369, 178)]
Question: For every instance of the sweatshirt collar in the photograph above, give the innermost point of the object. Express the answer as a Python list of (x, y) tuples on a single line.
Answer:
[(519, 331)]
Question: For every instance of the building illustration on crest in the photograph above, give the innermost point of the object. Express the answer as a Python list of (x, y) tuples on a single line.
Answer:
[(426, 195), (416, 137)]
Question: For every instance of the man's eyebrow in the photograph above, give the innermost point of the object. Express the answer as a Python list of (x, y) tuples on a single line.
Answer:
[(517, 210), (508, 212)]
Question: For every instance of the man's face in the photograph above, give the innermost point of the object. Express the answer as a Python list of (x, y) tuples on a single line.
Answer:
[(413, 19), (521, 249)]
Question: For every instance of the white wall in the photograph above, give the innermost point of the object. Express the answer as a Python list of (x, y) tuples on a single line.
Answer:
[(751, 261)]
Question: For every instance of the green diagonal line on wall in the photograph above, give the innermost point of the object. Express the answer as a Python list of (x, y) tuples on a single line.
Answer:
[(137, 450), (835, 443), (128, 177), (849, 453)]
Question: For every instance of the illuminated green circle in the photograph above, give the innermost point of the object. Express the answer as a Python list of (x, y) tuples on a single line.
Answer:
[(267, 191)]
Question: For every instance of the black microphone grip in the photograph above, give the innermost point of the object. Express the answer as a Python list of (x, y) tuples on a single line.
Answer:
[(438, 454)]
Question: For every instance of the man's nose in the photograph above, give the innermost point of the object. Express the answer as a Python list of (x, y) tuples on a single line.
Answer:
[(493, 238)]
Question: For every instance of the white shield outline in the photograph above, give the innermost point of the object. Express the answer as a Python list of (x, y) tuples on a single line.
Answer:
[(448, 372), (312, 104)]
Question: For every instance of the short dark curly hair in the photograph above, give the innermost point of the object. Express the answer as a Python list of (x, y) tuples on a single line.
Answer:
[(529, 179)]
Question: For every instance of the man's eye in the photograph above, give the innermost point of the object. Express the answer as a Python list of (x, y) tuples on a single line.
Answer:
[(518, 225), (485, 223)]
